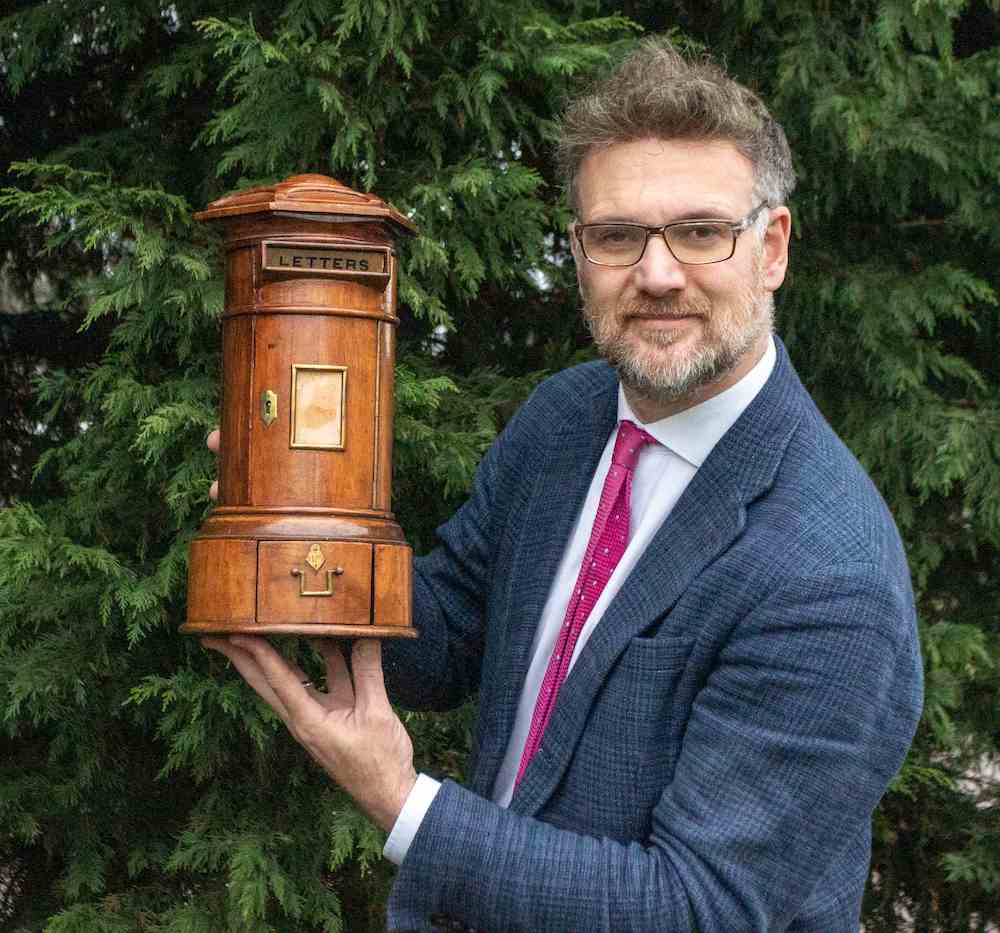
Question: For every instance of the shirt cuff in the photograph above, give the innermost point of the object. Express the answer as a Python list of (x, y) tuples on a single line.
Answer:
[(410, 817)]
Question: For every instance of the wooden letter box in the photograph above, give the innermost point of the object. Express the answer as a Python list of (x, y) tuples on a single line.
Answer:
[(302, 540)]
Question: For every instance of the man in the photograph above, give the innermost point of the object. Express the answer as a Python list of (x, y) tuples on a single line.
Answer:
[(683, 604)]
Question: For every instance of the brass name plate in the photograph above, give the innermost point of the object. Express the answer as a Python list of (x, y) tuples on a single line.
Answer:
[(323, 260)]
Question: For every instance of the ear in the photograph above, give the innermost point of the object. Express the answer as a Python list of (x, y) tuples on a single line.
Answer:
[(574, 243), (779, 229), (578, 259)]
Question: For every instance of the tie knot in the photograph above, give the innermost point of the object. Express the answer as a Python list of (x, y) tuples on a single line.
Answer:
[(629, 442)]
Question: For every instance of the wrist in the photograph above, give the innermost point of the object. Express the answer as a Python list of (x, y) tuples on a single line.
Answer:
[(386, 814)]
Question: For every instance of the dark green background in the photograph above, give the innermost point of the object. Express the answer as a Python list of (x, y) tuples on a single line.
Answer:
[(141, 786)]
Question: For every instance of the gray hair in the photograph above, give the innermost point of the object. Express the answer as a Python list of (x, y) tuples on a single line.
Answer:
[(657, 92)]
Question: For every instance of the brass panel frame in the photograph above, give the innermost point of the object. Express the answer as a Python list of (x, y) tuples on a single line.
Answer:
[(294, 406)]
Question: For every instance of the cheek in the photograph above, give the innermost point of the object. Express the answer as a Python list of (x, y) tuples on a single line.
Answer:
[(597, 289), (724, 292), (714, 283)]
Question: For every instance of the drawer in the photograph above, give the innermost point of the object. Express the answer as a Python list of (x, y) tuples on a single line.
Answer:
[(393, 584), (317, 582), (221, 574)]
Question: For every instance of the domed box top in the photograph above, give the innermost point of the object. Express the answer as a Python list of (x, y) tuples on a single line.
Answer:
[(309, 194)]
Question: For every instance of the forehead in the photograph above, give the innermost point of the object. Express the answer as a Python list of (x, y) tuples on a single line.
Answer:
[(657, 180)]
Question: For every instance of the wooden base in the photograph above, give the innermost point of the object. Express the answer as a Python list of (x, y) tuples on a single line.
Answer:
[(355, 588), (307, 631), (301, 524)]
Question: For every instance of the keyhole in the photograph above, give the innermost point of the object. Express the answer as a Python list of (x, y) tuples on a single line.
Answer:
[(268, 407)]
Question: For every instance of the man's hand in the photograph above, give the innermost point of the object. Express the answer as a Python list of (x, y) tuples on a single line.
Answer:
[(350, 730), (212, 441)]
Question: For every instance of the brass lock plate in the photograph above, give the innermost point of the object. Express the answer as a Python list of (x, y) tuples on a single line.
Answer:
[(268, 407), (316, 558)]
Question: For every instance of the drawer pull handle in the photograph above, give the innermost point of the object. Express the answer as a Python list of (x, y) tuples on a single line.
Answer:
[(330, 574)]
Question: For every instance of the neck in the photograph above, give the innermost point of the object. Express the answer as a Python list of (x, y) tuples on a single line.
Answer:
[(654, 409)]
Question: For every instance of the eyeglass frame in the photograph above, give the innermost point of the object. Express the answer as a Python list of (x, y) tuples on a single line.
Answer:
[(736, 227)]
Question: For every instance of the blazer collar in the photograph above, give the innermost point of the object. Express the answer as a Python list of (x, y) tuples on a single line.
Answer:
[(708, 517)]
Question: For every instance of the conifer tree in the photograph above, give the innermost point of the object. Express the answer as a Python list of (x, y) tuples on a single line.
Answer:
[(141, 786)]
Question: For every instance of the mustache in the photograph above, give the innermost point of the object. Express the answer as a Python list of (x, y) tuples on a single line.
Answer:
[(667, 307)]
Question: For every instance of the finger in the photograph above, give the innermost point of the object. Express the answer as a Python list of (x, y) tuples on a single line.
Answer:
[(213, 441), (315, 688), (279, 675), (339, 690), (369, 682), (249, 670)]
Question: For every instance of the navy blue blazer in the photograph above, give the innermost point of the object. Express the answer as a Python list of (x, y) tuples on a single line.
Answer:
[(717, 750)]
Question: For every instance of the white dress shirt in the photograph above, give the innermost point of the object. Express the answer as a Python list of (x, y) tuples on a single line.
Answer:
[(659, 479)]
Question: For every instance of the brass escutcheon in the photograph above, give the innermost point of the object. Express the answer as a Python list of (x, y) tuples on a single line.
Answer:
[(315, 558), (330, 574), (268, 407)]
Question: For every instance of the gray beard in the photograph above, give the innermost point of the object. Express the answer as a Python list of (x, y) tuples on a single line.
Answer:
[(728, 340)]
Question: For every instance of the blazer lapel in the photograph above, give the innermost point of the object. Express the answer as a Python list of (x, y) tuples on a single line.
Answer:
[(708, 517), (564, 471)]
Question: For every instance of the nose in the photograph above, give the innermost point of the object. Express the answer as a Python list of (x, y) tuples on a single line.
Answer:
[(658, 273)]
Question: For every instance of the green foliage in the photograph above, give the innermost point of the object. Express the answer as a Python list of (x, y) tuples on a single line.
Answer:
[(141, 786)]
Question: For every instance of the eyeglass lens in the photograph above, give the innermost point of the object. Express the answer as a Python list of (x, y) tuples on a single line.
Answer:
[(623, 244)]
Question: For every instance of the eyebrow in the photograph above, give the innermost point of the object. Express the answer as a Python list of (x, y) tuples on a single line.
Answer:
[(702, 214)]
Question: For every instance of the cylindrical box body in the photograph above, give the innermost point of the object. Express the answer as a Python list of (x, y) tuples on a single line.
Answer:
[(302, 540)]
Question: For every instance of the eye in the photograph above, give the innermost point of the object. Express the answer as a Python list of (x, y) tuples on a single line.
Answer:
[(701, 234), (614, 235)]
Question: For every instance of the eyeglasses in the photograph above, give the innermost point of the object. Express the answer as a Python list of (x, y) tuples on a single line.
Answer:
[(691, 242)]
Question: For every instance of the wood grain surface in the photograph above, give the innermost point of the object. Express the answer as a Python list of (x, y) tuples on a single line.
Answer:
[(275, 500)]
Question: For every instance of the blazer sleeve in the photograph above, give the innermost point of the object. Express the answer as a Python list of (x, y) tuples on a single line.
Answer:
[(791, 742), (451, 587)]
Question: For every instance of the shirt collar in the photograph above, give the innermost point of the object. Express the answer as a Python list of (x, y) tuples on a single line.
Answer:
[(693, 433)]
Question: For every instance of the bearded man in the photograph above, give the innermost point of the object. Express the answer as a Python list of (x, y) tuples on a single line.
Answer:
[(683, 604)]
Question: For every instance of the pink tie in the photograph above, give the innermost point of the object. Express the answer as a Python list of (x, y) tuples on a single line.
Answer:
[(608, 540)]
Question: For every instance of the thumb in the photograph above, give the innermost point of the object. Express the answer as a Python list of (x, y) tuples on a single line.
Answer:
[(366, 668)]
